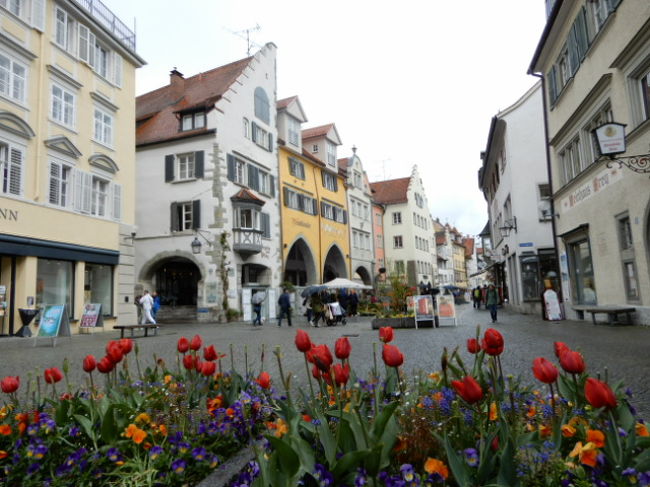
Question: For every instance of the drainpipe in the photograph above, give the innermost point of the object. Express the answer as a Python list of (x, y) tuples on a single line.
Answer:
[(550, 179)]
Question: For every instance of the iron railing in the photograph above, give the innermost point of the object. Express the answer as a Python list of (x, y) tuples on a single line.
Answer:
[(108, 19)]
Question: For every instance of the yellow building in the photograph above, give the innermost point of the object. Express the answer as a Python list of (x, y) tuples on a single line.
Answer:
[(67, 152), (315, 234)]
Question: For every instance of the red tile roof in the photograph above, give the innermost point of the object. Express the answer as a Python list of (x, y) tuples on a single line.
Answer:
[(343, 163), (320, 131), (440, 239), (157, 109), (469, 247), (285, 102), (391, 191), (245, 195)]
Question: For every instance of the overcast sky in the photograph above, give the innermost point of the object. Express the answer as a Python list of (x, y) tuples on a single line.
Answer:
[(408, 82)]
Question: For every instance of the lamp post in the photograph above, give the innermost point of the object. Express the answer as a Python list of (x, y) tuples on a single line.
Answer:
[(610, 140), (196, 243), (508, 226)]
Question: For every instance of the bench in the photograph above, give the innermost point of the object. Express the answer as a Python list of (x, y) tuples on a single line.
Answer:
[(612, 313), (146, 329)]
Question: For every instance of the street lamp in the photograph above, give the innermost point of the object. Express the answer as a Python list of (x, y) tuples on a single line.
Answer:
[(508, 226), (196, 243), (610, 140)]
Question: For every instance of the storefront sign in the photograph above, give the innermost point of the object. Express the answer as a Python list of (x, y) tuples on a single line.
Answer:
[(92, 316), (54, 322), (300, 223), (526, 244), (9, 215), (585, 191)]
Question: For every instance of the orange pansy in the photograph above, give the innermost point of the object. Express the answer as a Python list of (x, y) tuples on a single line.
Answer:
[(433, 465), (5, 429), (596, 437), (568, 431), (641, 429)]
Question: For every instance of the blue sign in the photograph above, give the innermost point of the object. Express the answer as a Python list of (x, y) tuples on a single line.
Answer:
[(526, 244)]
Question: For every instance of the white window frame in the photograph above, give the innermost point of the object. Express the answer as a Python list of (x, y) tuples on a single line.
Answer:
[(331, 154), (103, 127), (398, 242), (314, 148), (329, 181), (240, 172), (246, 127), (64, 30), (16, 7), (64, 105), (193, 121), (397, 217), (61, 184), (185, 166), (100, 196), (248, 218), (293, 130), (14, 82), (12, 169), (296, 168), (357, 180)]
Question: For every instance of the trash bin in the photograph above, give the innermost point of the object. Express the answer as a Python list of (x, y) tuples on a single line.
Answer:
[(26, 316)]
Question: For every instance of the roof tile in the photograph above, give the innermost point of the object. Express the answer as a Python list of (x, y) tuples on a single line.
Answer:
[(391, 191)]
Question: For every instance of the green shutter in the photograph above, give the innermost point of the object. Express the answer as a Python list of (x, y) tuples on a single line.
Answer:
[(169, 168), (196, 214), (231, 167), (552, 85), (272, 186), (198, 164)]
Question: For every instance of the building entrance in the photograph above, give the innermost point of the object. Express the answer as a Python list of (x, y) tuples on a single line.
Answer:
[(176, 281)]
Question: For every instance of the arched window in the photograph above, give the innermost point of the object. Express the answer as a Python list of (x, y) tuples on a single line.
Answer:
[(262, 108)]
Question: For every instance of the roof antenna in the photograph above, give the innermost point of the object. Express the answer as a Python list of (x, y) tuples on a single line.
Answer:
[(247, 36)]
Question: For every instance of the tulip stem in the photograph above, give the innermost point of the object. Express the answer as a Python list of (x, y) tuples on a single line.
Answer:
[(246, 361), (311, 387), (232, 359)]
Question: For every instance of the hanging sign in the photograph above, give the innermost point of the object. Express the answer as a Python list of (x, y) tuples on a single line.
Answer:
[(92, 316)]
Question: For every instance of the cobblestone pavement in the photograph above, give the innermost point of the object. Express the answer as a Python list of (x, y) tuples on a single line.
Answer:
[(623, 351)]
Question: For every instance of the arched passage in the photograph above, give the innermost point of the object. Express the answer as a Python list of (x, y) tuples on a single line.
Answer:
[(300, 268), (176, 279), (334, 265), (363, 274)]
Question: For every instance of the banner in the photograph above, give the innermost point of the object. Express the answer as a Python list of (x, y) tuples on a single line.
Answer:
[(92, 316)]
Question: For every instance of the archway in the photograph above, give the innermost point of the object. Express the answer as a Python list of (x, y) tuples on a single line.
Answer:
[(299, 268), (334, 265), (176, 280), (363, 275)]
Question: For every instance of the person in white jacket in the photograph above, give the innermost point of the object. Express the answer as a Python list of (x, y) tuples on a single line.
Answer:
[(147, 304)]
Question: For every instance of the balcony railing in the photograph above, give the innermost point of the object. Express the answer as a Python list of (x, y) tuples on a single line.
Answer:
[(108, 19), (247, 241)]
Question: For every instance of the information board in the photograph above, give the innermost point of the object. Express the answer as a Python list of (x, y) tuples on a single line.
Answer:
[(446, 307), (92, 316), (54, 323), (424, 310), (552, 305)]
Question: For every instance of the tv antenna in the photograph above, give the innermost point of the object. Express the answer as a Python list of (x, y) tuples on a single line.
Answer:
[(246, 35)]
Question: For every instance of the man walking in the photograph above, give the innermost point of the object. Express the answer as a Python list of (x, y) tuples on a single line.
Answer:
[(257, 300), (491, 302), (147, 304), (284, 301)]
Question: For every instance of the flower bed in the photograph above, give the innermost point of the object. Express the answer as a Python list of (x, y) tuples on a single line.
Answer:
[(467, 424)]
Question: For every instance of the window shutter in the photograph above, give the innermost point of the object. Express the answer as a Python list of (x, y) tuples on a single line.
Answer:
[(231, 167), (272, 186), (117, 201), (270, 146), (302, 170), (92, 46), (198, 164), (15, 172), (572, 48), (552, 86), (291, 166), (169, 168), (314, 206), (301, 202), (322, 174), (86, 192), (285, 196), (253, 178), (254, 131), (322, 208), (38, 14), (345, 217), (196, 214), (582, 37), (173, 220), (336, 183), (117, 69), (613, 4), (55, 178), (266, 225), (78, 189)]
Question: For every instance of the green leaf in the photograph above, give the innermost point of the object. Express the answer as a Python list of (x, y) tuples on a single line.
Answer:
[(387, 442), (288, 459), (87, 426), (507, 468), (372, 462), (305, 454), (625, 417), (458, 466), (108, 429), (381, 420), (349, 462), (61, 414), (326, 437), (346, 437)]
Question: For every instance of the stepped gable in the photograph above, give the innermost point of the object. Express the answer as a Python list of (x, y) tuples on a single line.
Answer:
[(156, 111), (391, 191)]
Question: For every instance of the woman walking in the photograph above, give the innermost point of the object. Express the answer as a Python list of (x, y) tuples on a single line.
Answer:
[(491, 301)]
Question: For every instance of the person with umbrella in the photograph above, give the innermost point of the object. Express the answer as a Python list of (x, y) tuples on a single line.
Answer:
[(257, 300)]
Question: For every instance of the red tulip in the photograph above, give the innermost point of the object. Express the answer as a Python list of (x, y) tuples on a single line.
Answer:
[(473, 345), (264, 380), (183, 345), (315, 372), (209, 353), (208, 368), (599, 394), (572, 362), (89, 363), (303, 342), (322, 357), (560, 348), (126, 344), (105, 365), (196, 342), (53, 375), (392, 356), (342, 348), (198, 364), (468, 389), (341, 373), (492, 342), (544, 370), (114, 352), (188, 362), (386, 334), (10, 384)]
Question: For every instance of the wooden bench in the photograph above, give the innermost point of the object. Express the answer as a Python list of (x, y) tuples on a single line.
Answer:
[(612, 313), (146, 329)]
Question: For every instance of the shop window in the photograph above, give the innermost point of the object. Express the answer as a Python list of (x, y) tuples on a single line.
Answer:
[(98, 286), (582, 272), (626, 245), (54, 280)]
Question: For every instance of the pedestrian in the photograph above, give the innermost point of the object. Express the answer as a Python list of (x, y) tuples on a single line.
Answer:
[(353, 303), (492, 299), (317, 308), (257, 299), (309, 312), (476, 297), (147, 305), (284, 301), (156, 304), (484, 296)]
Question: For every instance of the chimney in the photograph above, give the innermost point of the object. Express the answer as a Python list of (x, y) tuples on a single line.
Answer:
[(177, 82)]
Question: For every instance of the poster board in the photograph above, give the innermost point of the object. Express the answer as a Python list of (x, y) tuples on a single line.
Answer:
[(552, 305), (54, 323), (92, 316), (424, 310), (446, 307)]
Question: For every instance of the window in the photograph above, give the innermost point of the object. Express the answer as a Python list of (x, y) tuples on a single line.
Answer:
[(261, 137), (331, 154), (397, 242), (544, 205), (185, 216), (357, 179), (99, 197), (380, 242), (63, 106), (397, 218), (246, 174), (300, 202), (11, 169), (54, 281), (314, 148), (530, 281), (334, 213), (192, 121), (246, 127), (102, 60), (13, 77), (262, 107), (599, 11), (626, 245), (60, 184), (103, 127), (330, 182), (296, 168), (591, 147), (582, 272), (645, 94), (294, 132), (378, 219), (266, 225), (64, 29), (570, 161), (419, 200), (98, 286), (399, 267), (247, 218), (185, 166), (16, 7)]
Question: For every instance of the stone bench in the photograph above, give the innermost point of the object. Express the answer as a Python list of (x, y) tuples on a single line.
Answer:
[(146, 329), (612, 313)]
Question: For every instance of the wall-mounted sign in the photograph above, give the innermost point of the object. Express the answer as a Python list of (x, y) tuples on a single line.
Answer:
[(526, 244), (599, 182), (9, 215)]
